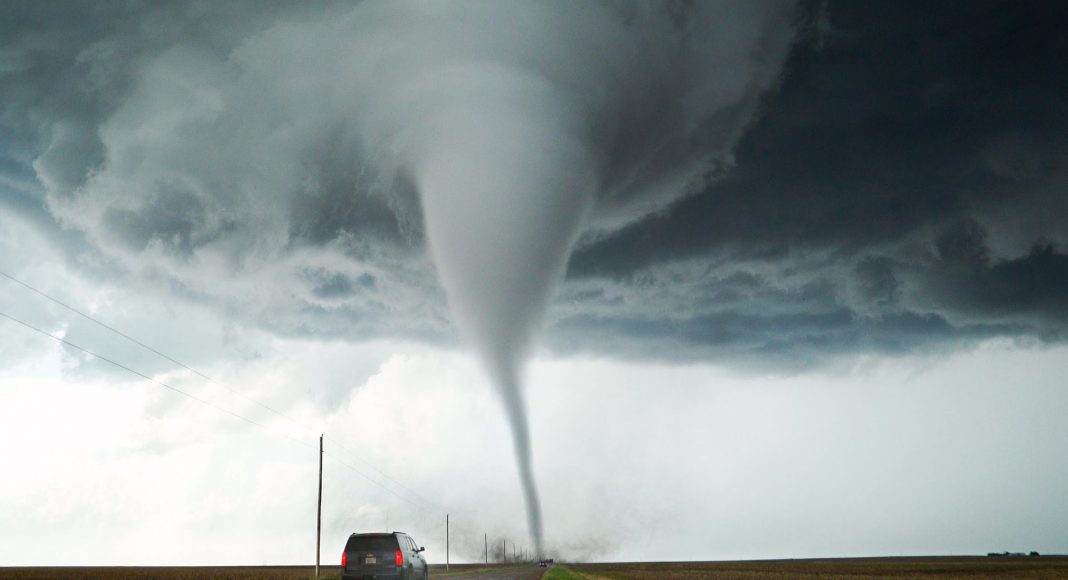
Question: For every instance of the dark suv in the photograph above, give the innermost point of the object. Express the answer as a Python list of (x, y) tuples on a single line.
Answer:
[(383, 555)]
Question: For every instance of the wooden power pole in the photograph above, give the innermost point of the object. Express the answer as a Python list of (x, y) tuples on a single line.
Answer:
[(485, 539), (446, 542), (319, 509)]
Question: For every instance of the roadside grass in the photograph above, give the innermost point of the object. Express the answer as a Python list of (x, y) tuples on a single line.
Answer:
[(559, 572)]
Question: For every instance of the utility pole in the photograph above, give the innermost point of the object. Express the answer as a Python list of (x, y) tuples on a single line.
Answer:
[(446, 542), (319, 509), (504, 550), (485, 539)]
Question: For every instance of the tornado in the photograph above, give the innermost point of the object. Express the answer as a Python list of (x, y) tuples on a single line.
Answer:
[(523, 126), (503, 205)]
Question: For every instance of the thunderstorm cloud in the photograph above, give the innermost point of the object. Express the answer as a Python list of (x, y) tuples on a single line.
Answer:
[(856, 179)]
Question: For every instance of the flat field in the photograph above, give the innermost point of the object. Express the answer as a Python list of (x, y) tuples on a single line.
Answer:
[(169, 573), (917, 568), (927, 568), (221, 572)]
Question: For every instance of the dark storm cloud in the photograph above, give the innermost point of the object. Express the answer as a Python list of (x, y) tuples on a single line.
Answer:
[(904, 119), (902, 188), (192, 204), (911, 172)]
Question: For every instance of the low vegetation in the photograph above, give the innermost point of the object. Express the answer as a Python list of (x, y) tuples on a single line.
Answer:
[(171, 573), (948, 568), (563, 573), (458, 571), (934, 568)]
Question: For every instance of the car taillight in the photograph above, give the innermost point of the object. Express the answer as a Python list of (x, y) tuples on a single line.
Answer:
[(398, 558), (344, 559)]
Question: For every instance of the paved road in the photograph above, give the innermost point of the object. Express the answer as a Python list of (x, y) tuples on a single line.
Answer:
[(529, 572)]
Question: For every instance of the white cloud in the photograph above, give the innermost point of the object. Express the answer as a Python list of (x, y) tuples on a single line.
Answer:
[(634, 461)]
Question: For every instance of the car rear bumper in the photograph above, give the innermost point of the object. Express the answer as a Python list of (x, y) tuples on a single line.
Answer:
[(381, 575)]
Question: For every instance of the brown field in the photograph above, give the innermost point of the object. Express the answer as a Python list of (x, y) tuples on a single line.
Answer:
[(935, 568), (170, 573), (207, 572)]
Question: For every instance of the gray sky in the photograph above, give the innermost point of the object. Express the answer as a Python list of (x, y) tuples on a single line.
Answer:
[(782, 281)]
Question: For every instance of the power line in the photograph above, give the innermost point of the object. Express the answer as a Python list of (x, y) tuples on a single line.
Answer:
[(146, 377), (348, 465), (198, 373), (147, 347), (385, 475), (210, 380), (341, 461), (197, 399)]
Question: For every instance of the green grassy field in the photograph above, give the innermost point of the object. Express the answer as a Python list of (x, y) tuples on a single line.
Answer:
[(562, 573), (932, 568)]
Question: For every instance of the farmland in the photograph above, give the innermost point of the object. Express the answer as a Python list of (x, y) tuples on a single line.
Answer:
[(916, 568), (169, 573), (460, 571)]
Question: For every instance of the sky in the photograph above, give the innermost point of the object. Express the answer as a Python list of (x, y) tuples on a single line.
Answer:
[(634, 281)]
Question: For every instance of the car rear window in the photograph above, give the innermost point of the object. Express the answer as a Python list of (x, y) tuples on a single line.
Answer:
[(371, 544)]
